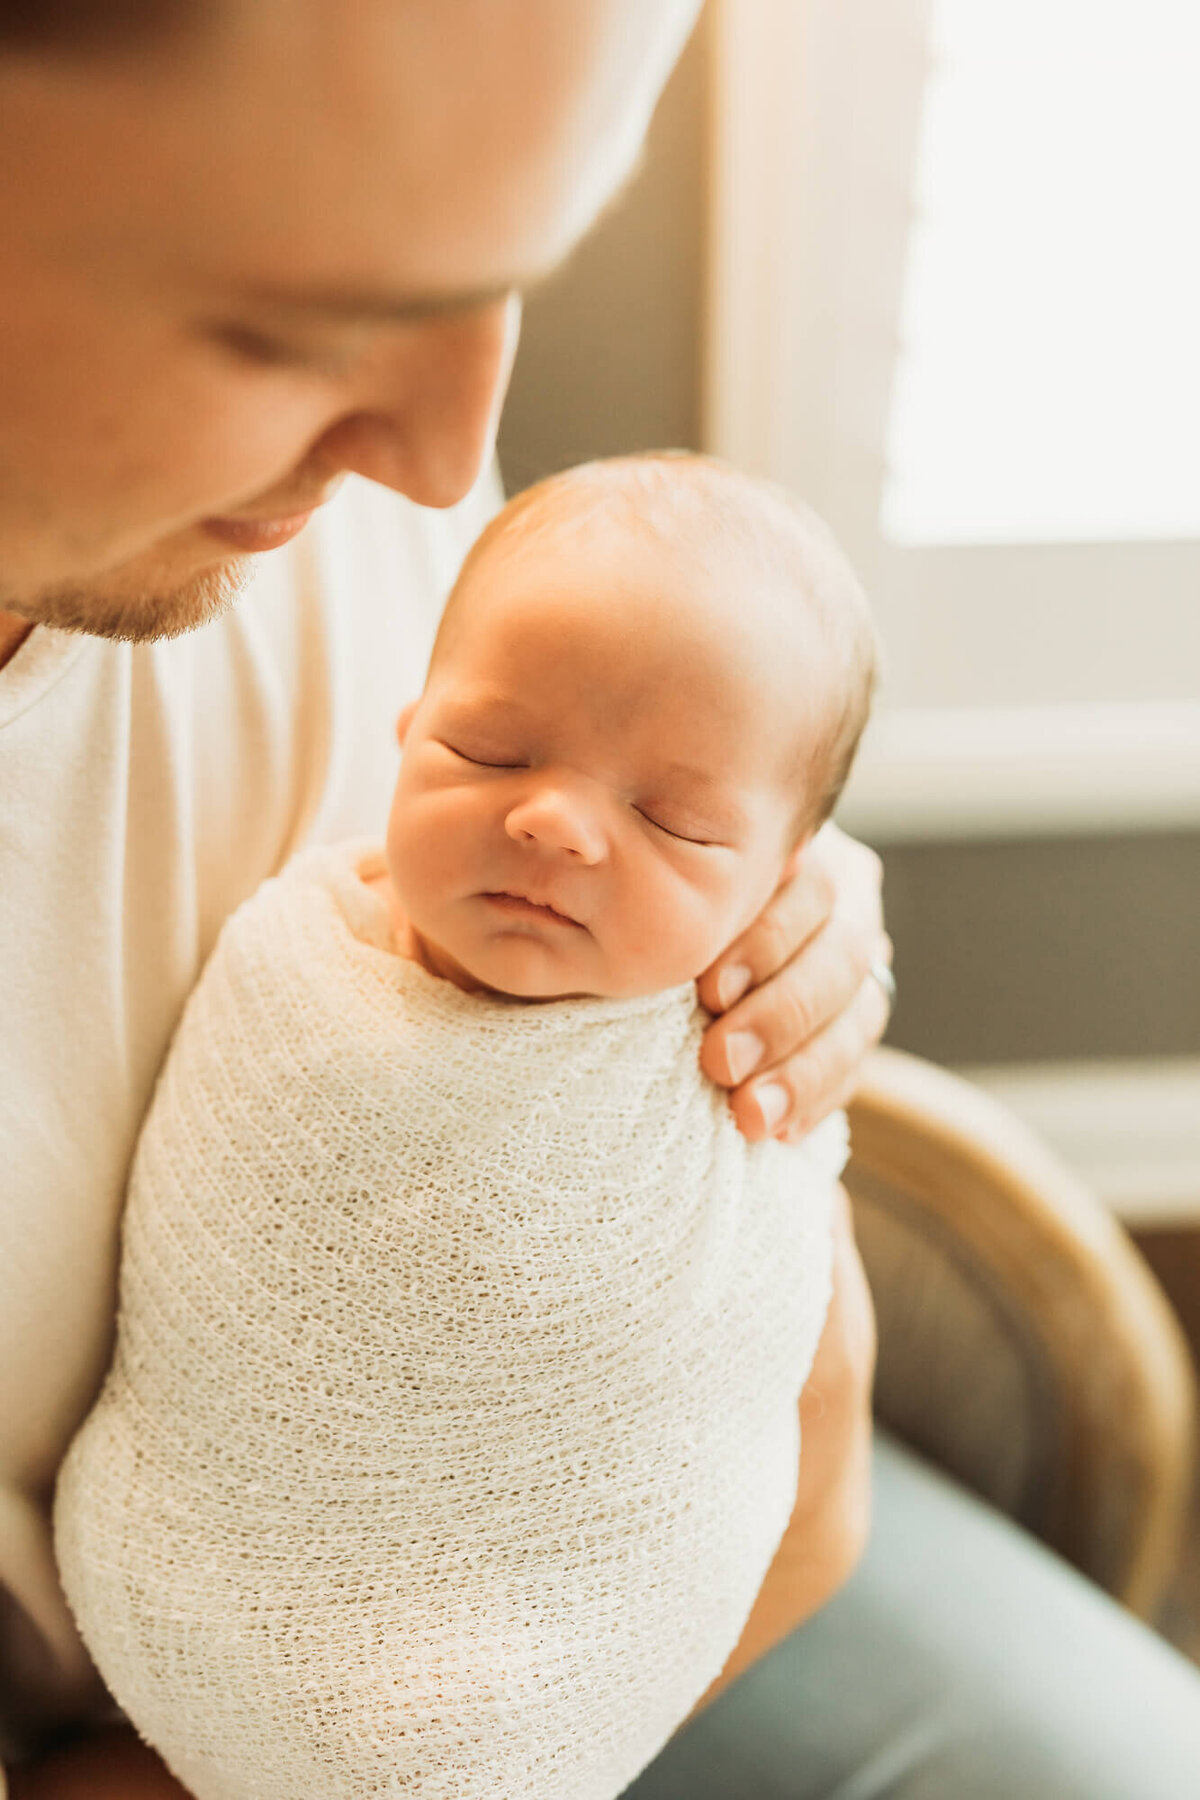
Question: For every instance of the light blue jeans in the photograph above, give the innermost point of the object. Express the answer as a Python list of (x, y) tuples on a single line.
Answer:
[(962, 1662)]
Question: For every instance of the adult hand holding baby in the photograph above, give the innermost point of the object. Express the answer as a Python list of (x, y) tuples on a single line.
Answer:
[(798, 1005)]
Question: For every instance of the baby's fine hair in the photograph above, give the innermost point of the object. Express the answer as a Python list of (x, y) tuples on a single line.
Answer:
[(689, 502)]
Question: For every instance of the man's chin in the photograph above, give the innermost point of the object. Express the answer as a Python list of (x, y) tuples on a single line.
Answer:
[(157, 611)]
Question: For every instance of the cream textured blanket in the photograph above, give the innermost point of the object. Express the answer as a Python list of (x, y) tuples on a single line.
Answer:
[(452, 1424)]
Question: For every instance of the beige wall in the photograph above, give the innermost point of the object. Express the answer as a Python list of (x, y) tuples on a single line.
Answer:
[(1004, 952), (609, 359), (1070, 948)]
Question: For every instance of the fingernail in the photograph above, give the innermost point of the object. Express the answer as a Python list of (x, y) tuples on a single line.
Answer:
[(732, 983), (772, 1103), (743, 1053)]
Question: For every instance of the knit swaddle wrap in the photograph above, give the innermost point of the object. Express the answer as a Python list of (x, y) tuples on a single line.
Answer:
[(452, 1423)]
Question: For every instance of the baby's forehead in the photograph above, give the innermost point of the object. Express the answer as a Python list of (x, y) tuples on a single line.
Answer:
[(686, 556), (686, 505), (684, 546), (610, 588)]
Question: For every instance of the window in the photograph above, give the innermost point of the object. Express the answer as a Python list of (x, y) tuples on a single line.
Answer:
[(1048, 383), (954, 288)]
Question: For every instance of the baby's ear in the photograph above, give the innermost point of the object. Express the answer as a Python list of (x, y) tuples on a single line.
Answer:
[(404, 721)]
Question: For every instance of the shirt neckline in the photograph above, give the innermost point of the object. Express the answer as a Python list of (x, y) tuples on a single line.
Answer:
[(41, 661)]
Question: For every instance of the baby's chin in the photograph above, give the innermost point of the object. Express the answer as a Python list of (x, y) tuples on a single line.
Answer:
[(517, 967), (534, 985), (519, 978)]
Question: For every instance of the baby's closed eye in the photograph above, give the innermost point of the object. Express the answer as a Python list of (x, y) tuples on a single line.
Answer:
[(683, 833), (484, 757)]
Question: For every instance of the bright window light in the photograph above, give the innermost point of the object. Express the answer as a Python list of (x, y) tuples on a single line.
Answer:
[(1048, 383)]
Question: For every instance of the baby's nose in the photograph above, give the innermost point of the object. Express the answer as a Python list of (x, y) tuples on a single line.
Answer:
[(557, 821)]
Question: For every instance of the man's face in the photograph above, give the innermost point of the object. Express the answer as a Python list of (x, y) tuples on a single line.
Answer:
[(232, 273)]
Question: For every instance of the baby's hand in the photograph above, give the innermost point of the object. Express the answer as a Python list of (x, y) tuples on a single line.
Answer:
[(799, 1008)]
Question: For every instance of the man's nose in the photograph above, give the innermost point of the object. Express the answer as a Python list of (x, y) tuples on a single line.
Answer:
[(431, 403), (554, 819)]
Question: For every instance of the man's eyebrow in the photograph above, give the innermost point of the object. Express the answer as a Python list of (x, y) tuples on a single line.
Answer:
[(354, 306)]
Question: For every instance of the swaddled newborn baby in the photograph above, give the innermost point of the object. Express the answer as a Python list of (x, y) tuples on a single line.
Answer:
[(452, 1425)]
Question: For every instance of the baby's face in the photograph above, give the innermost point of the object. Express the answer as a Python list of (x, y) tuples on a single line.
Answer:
[(597, 790)]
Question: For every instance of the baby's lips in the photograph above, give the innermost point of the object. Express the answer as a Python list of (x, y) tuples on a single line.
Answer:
[(511, 899)]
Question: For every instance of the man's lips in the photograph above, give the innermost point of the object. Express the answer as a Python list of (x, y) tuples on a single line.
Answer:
[(257, 534), (518, 906)]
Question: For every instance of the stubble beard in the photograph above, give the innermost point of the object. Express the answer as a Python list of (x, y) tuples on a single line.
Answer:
[(141, 620)]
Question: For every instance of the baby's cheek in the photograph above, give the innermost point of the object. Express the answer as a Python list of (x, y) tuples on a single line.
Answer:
[(717, 910), (423, 851), (676, 932)]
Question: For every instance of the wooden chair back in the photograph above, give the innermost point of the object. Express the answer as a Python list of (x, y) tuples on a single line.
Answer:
[(1024, 1345)]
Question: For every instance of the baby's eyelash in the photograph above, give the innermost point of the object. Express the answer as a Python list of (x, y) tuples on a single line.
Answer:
[(480, 762), (679, 836)]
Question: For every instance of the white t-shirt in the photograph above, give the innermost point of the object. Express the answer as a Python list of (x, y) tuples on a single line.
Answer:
[(144, 792)]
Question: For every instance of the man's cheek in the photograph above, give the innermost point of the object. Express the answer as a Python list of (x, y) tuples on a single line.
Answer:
[(238, 454), (214, 433)]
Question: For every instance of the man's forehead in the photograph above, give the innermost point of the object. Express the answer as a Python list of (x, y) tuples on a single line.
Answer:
[(401, 155)]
